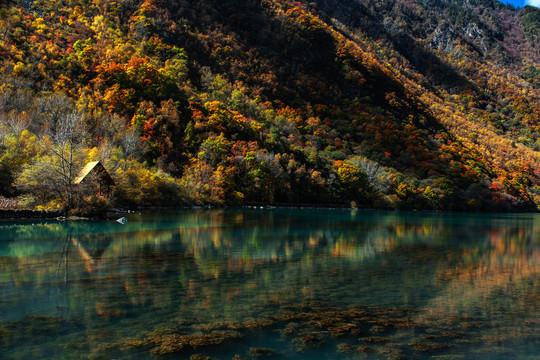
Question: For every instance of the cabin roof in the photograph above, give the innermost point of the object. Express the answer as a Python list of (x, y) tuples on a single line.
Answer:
[(94, 167)]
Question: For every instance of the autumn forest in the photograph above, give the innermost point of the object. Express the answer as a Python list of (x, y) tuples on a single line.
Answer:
[(391, 104)]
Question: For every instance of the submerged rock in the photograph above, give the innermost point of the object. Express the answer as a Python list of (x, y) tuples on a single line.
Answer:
[(200, 357), (364, 349), (392, 354), (262, 352), (429, 347), (346, 349), (169, 344), (376, 339), (306, 342), (167, 341), (344, 329)]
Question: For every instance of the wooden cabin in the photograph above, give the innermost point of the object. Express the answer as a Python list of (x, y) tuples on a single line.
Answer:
[(95, 174)]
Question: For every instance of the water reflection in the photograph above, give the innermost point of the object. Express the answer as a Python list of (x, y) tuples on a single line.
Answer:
[(92, 285)]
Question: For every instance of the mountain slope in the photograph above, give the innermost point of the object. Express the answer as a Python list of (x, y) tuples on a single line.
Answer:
[(408, 104)]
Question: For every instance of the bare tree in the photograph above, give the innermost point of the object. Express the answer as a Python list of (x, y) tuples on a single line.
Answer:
[(66, 138), (376, 174), (131, 142), (13, 124), (51, 109), (50, 176)]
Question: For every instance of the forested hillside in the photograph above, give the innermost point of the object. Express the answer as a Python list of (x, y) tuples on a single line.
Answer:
[(408, 104)]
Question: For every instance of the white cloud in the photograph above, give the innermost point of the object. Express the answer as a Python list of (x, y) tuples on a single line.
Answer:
[(533, 2)]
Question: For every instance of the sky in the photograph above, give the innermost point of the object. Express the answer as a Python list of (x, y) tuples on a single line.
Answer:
[(522, 3)]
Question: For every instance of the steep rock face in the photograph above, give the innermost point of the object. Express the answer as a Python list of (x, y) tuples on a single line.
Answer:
[(396, 103), (443, 38)]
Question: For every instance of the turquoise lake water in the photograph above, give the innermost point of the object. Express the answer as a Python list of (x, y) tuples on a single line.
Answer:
[(272, 284)]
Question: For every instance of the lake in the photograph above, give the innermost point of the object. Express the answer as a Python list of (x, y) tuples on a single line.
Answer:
[(272, 284)]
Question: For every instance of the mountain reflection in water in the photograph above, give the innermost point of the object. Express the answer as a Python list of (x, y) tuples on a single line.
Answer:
[(278, 283)]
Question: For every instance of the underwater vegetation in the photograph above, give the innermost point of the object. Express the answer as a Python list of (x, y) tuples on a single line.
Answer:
[(384, 332)]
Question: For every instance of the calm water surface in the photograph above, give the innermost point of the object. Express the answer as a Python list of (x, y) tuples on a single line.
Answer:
[(274, 284)]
